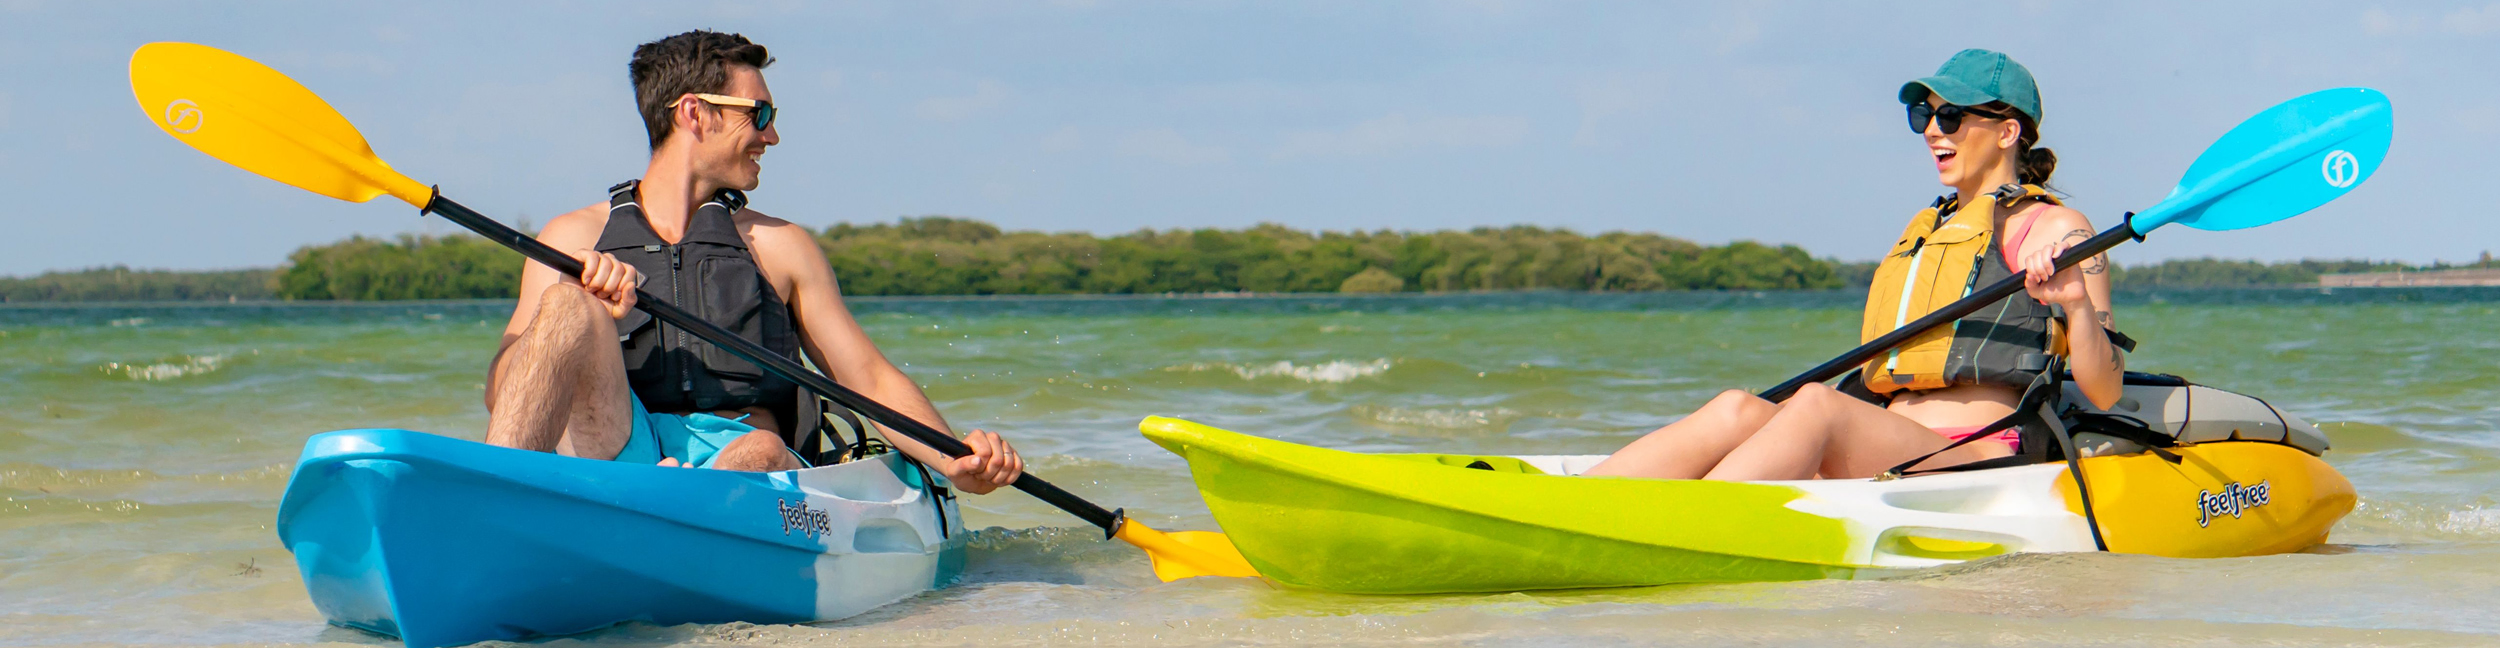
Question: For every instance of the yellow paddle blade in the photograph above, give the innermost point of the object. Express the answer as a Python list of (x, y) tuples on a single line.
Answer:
[(1187, 554), (240, 111)]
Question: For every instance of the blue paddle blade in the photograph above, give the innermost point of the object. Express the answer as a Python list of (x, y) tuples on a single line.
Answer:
[(2285, 161)]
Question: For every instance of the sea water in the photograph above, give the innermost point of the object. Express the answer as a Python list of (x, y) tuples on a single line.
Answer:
[(143, 448)]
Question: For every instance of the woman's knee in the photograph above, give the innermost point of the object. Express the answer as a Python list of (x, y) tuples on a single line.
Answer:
[(1818, 396), (1739, 407)]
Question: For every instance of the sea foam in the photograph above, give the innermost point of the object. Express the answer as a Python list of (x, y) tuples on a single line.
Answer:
[(189, 365), (1333, 371)]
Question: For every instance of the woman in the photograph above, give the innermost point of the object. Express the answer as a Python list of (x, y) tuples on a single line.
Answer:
[(1980, 117)]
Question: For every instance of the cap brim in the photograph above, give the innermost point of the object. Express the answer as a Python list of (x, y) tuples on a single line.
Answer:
[(1952, 91)]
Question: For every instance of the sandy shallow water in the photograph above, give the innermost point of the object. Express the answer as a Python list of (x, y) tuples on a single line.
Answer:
[(143, 448)]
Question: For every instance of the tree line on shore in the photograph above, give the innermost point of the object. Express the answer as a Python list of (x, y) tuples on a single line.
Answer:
[(939, 255)]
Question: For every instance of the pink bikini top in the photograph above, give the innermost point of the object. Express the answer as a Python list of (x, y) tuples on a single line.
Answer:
[(2012, 249)]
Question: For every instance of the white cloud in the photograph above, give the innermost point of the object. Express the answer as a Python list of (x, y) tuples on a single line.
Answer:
[(2378, 22), (747, 9), (2479, 120), (1734, 32), (1611, 102), (1065, 139), (1396, 133), (2472, 21), (1167, 145), (1489, 7), (986, 94)]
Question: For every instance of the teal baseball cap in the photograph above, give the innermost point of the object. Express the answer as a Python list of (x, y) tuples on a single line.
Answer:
[(1977, 76)]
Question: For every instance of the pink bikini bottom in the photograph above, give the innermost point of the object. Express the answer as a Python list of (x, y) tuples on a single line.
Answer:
[(1957, 432)]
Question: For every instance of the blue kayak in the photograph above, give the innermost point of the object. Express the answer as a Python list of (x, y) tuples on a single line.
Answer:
[(440, 541)]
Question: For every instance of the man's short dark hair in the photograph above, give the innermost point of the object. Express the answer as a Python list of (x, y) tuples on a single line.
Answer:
[(695, 62)]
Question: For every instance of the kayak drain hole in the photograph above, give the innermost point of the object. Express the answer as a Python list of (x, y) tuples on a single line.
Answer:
[(886, 536), (1914, 542)]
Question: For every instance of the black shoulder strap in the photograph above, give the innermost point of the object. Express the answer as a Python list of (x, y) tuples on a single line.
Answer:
[(2029, 410), (2033, 410), (2121, 340)]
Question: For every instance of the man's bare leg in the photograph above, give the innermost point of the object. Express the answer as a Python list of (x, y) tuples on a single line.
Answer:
[(758, 451), (561, 386)]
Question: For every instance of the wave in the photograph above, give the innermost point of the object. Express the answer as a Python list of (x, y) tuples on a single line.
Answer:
[(189, 365), (1440, 419), (1332, 372), (2397, 519)]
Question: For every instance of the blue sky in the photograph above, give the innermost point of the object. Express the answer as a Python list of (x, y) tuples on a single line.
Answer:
[(1771, 121)]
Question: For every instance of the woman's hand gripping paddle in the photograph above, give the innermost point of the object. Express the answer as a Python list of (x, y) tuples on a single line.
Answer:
[(251, 116), (2281, 163)]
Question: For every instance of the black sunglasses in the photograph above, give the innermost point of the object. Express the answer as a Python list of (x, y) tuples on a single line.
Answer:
[(1948, 117), (763, 109)]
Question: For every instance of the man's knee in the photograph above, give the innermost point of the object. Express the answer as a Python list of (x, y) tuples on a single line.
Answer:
[(568, 313), (757, 451), (566, 302)]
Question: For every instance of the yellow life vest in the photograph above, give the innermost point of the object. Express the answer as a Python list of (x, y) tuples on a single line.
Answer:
[(1948, 251)]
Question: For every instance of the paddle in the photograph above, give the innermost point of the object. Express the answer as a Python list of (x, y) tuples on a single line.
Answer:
[(251, 116), (2278, 164)]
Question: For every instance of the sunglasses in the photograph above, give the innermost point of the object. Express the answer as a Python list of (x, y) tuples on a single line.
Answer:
[(763, 109), (1948, 117)]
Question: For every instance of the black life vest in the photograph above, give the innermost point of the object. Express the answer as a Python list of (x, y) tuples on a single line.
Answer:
[(710, 273)]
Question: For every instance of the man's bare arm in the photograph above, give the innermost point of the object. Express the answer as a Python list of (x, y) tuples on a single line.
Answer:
[(833, 338)]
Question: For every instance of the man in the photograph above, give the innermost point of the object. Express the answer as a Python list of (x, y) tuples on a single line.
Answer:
[(582, 373)]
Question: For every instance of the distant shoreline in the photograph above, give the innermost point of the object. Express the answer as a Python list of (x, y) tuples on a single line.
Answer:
[(2127, 295), (2401, 278), (942, 258)]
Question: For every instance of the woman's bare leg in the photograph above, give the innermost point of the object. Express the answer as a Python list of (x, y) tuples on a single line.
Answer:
[(1687, 448), (1821, 431)]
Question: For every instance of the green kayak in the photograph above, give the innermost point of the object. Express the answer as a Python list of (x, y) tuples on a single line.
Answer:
[(1422, 523)]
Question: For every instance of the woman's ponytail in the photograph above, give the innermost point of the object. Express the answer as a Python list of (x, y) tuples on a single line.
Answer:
[(2033, 164), (2036, 165)]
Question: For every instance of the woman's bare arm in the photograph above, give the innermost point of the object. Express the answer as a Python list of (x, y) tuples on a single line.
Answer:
[(2083, 291)]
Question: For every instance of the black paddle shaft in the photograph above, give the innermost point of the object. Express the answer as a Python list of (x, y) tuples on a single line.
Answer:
[(2000, 290), (778, 364)]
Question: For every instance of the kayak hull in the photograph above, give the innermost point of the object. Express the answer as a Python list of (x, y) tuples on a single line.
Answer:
[(441, 541), (1425, 523)]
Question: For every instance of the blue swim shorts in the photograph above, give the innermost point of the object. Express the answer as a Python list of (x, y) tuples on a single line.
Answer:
[(692, 439)]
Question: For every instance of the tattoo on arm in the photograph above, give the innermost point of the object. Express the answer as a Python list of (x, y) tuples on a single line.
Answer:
[(2104, 320), (2099, 263)]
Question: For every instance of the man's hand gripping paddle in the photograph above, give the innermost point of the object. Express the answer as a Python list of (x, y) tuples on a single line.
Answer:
[(251, 116), (2281, 163)]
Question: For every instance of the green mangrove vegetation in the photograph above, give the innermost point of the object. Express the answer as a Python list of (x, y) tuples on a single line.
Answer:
[(120, 283), (951, 256), (939, 255), (413, 267)]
